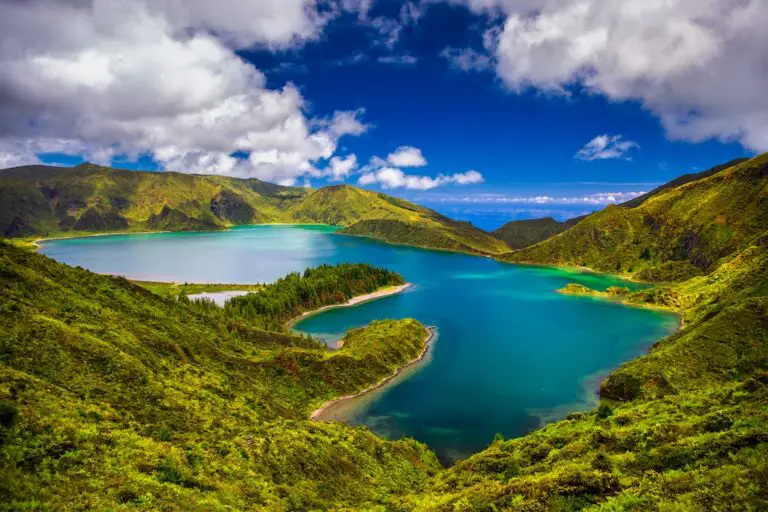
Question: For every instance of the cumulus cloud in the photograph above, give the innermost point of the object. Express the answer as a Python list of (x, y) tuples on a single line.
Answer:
[(341, 168), (699, 65), (407, 156), (391, 177), (162, 78), (607, 147)]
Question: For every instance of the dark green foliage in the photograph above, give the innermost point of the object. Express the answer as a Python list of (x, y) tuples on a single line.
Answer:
[(524, 233), (8, 415), (113, 395), (119, 399), (317, 287)]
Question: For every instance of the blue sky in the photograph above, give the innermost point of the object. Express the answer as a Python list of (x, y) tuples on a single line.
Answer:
[(451, 87)]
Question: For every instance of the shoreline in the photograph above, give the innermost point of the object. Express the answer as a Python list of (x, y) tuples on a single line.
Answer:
[(317, 414), (354, 301), (622, 301), (38, 241), (496, 257)]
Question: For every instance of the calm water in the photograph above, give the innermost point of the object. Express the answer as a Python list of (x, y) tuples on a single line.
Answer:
[(511, 353)]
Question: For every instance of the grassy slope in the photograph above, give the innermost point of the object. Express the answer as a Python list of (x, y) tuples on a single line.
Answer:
[(376, 215), (524, 233), (40, 200), (674, 235), (49, 200), (682, 428), (112, 397)]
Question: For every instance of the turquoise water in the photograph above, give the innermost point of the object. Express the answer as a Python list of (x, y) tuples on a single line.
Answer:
[(511, 353)]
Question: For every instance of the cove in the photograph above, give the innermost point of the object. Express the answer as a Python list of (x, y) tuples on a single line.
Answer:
[(511, 354)]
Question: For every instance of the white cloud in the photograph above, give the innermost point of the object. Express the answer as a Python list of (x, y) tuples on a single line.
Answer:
[(467, 59), (399, 60), (606, 147), (341, 168), (162, 78), (597, 198), (391, 177), (407, 156), (699, 65)]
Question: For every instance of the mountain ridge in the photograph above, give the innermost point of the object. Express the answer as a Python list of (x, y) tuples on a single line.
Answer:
[(50, 201), (675, 234), (112, 397)]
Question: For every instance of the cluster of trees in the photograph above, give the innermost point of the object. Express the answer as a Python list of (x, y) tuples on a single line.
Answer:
[(316, 287)]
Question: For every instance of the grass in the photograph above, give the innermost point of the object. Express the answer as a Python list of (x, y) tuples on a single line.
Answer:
[(87, 199)]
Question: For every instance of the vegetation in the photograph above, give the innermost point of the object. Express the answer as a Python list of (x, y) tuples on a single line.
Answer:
[(675, 234), (52, 201), (524, 233), (112, 397), (317, 287), (446, 235)]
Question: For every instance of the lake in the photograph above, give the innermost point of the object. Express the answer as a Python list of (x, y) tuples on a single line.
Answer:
[(511, 353)]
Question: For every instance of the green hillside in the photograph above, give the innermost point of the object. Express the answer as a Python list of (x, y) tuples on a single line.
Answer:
[(524, 233), (40, 200), (51, 201), (375, 215), (112, 397), (676, 234)]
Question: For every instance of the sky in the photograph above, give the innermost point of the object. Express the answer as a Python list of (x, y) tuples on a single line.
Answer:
[(486, 110)]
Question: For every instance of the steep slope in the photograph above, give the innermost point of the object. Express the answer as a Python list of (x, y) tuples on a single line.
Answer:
[(682, 428), (375, 215), (112, 397), (42, 200), (676, 234), (682, 180), (49, 200), (519, 234)]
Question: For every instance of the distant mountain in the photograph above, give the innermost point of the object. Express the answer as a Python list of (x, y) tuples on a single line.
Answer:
[(675, 233), (49, 201), (376, 215), (90, 198), (519, 234)]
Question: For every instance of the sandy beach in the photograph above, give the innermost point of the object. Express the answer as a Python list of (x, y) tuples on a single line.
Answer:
[(354, 301), (317, 414)]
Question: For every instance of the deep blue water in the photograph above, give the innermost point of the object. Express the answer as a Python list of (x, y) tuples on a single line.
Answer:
[(511, 353)]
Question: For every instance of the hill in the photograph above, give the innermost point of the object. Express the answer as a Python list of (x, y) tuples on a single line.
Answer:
[(375, 215), (684, 427), (519, 234), (673, 235), (50, 201), (682, 180), (41, 200), (112, 397)]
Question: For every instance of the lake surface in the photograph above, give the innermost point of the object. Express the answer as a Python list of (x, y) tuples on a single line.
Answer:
[(511, 354)]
